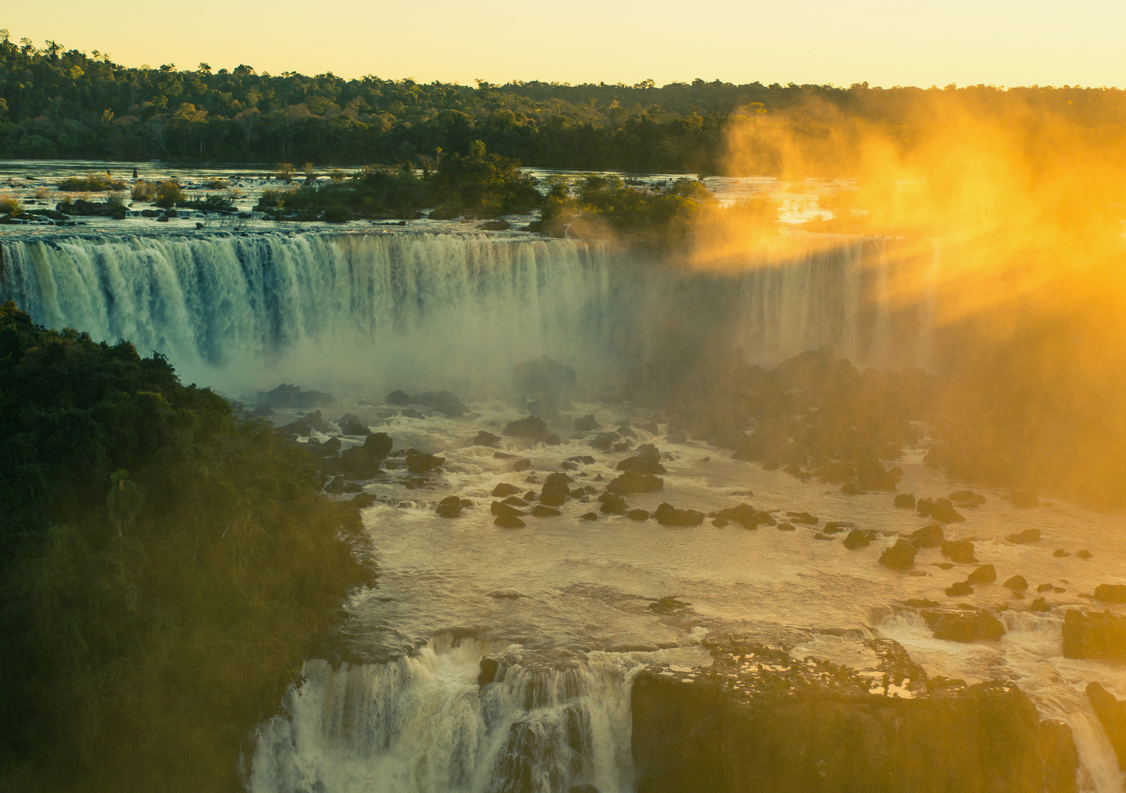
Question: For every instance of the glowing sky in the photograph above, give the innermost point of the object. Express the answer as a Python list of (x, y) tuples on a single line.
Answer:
[(908, 42)]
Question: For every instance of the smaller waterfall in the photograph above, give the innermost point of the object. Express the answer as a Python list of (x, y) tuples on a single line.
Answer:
[(423, 724)]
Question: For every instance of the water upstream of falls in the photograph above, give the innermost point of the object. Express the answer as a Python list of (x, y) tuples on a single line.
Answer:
[(564, 605)]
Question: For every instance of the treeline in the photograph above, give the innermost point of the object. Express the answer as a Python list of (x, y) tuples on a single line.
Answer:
[(164, 562), (58, 103)]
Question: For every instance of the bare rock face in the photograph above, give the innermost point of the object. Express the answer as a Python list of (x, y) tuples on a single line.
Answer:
[(1094, 635), (1112, 714), (760, 720)]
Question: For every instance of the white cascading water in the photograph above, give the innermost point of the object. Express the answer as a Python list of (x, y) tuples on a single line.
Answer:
[(422, 724), (242, 311)]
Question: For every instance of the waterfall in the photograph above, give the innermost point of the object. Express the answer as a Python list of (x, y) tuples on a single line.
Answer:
[(245, 311), (423, 724)]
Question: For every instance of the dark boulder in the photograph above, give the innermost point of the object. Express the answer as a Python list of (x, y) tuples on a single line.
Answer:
[(802, 517), (1112, 715), (613, 504), (960, 551), (1039, 604), (637, 514), (1093, 635), (554, 492), (964, 626), (504, 489), (941, 510), (959, 589), (589, 516), (540, 511), (486, 439), (1061, 759), (529, 427), (489, 668), (421, 462), (1110, 593), (523, 464), (647, 461), (378, 445), (1016, 583), (398, 398), (509, 522), (350, 424), (1025, 537), (668, 515), (585, 423), (967, 498), (900, 556), (927, 537), (629, 483), (986, 574), (501, 508), (355, 463), (858, 538), (449, 507), (905, 501)]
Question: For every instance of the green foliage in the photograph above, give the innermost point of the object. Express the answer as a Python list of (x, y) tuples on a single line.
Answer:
[(169, 194), (209, 203), (144, 191), (606, 205), (10, 205), (91, 183), (163, 561)]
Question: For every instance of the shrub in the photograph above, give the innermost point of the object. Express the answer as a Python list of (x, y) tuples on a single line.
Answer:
[(144, 191), (10, 205), (168, 194), (92, 182)]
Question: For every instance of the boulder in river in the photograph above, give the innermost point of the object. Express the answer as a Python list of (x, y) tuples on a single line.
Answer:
[(858, 538), (647, 461), (486, 439), (1017, 583), (449, 507), (960, 551), (1112, 714), (986, 574), (900, 556), (421, 462), (930, 536), (613, 503), (1061, 759), (959, 589), (1098, 636), (355, 463), (585, 423), (1025, 537), (966, 498), (629, 483), (905, 501), (350, 424), (503, 489), (964, 626), (528, 427), (940, 509), (668, 515), (509, 522), (1111, 593), (378, 445)]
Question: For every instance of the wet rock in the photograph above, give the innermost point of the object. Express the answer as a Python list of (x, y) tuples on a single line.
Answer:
[(1060, 553), (959, 589), (522, 464), (529, 427), (1110, 593), (612, 504), (420, 462), (555, 491), (927, 537), (637, 514), (858, 538), (1025, 499), (350, 424), (544, 376), (291, 396), (489, 668), (1112, 715), (411, 413), (449, 507), (484, 438), (905, 501), (964, 626), (355, 463), (509, 522), (668, 515), (921, 603), (1061, 759), (1039, 604), (540, 511), (589, 516), (605, 441), (514, 501), (940, 509), (786, 526), (743, 514), (1083, 554), (967, 498), (585, 423), (1095, 636), (834, 527), (1016, 583), (960, 551), (330, 447), (1045, 588), (986, 574), (503, 490), (378, 445), (900, 556), (647, 461), (802, 517), (500, 508), (1025, 537), (630, 482)]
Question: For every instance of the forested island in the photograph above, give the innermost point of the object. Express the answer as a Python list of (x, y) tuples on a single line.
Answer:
[(165, 561), (60, 103)]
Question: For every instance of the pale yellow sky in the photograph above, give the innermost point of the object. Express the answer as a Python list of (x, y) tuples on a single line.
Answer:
[(999, 42)]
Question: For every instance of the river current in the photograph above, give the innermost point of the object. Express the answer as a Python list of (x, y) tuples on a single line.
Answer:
[(564, 605)]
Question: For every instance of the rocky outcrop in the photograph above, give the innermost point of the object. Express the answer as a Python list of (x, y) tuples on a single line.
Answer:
[(759, 720), (1112, 714), (1093, 635)]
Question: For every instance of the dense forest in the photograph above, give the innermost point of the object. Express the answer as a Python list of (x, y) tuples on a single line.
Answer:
[(164, 562), (58, 103)]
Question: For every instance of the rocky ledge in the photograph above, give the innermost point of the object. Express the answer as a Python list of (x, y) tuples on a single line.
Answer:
[(760, 719)]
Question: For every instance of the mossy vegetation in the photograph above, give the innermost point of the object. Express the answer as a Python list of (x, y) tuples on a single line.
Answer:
[(164, 562)]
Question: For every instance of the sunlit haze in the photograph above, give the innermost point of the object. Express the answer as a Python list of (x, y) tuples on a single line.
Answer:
[(998, 42)]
